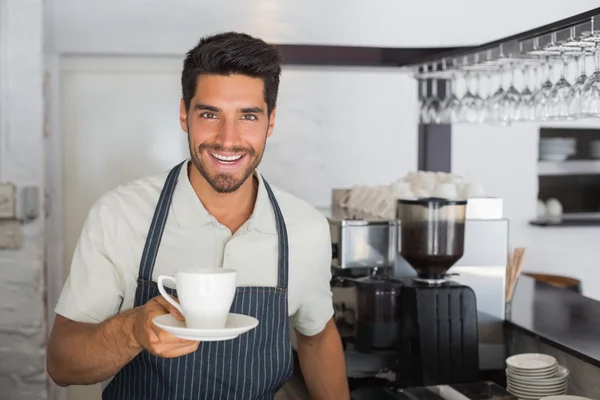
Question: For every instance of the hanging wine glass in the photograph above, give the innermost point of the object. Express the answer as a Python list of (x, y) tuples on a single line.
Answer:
[(576, 92), (468, 110), (450, 105), (494, 103), (542, 97), (509, 104), (430, 108), (434, 108), (591, 88), (559, 96), (423, 115), (591, 36), (479, 106), (525, 104)]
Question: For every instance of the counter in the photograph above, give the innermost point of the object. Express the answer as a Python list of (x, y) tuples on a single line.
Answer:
[(561, 318), (542, 319), (561, 323)]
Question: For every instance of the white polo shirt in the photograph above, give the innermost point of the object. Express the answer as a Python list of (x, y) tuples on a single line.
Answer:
[(105, 266)]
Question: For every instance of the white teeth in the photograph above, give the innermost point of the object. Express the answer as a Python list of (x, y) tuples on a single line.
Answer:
[(226, 158)]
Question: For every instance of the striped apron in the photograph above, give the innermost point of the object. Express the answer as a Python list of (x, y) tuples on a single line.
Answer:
[(252, 366)]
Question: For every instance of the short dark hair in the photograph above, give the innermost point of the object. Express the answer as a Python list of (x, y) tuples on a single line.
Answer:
[(232, 53)]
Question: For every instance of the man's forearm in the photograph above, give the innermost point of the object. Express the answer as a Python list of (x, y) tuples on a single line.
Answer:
[(82, 353), (323, 366)]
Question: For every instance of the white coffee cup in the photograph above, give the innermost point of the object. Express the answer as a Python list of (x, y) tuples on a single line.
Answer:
[(471, 191), (446, 191), (205, 296)]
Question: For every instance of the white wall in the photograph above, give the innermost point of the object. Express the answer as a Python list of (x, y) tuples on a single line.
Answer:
[(505, 160), (22, 309), (338, 127)]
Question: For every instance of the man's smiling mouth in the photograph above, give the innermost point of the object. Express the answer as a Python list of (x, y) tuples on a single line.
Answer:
[(228, 160)]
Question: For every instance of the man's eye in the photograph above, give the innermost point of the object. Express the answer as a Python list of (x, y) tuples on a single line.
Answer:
[(208, 115), (250, 117)]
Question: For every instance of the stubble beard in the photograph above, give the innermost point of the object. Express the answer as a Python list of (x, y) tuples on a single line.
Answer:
[(225, 182)]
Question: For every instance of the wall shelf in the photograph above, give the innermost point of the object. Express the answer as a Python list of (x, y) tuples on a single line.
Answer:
[(569, 220), (569, 167)]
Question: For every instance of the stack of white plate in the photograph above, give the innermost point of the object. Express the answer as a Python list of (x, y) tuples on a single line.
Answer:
[(595, 149), (533, 376), (556, 149)]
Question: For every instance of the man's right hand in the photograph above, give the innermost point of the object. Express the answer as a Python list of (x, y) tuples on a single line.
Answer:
[(156, 340)]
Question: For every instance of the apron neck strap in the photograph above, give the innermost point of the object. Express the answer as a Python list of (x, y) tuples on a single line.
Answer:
[(159, 220)]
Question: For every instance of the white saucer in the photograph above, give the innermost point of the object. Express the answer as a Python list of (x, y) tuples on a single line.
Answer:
[(533, 372), (531, 362), (560, 376), (235, 326)]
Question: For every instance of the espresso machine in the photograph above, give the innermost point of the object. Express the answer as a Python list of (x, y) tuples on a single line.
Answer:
[(407, 311)]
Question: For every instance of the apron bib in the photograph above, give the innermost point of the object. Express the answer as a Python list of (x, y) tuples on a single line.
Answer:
[(254, 365)]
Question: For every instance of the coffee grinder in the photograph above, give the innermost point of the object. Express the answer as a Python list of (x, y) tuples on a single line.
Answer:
[(423, 329), (438, 340)]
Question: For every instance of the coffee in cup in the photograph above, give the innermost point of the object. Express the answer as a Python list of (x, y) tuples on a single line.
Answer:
[(205, 296)]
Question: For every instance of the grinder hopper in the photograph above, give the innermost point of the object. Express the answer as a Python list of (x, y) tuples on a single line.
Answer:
[(432, 235)]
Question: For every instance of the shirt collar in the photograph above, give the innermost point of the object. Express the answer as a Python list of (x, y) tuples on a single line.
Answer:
[(190, 212), (263, 216), (186, 205)]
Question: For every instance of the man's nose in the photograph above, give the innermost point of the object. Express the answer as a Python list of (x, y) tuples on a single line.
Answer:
[(229, 132)]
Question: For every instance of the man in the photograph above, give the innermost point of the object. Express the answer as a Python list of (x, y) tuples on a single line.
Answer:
[(214, 209)]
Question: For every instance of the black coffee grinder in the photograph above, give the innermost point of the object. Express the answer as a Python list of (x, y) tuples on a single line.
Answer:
[(438, 340)]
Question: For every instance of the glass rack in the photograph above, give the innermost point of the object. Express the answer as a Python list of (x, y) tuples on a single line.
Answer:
[(550, 73)]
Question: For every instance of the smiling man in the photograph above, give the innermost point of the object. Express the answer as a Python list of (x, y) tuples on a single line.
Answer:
[(213, 210)]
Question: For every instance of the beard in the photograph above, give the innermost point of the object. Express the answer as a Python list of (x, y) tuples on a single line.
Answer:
[(225, 182)]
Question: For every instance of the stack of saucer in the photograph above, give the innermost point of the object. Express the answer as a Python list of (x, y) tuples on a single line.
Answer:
[(533, 376), (556, 149)]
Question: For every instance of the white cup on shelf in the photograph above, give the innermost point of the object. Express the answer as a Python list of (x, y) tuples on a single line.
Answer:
[(446, 191), (472, 191)]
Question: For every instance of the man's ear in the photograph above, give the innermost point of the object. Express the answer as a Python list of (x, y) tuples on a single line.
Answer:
[(183, 116), (271, 121)]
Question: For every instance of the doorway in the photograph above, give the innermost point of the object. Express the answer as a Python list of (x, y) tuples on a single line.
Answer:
[(120, 121)]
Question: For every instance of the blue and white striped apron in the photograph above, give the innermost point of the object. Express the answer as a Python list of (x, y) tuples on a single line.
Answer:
[(252, 366)]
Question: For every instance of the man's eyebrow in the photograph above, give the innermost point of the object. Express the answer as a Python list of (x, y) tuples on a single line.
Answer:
[(255, 110), (206, 107)]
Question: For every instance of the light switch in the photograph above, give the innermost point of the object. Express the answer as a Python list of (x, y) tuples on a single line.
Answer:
[(7, 200), (10, 235)]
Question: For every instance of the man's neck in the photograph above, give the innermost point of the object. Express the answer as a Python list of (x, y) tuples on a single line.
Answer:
[(230, 209)]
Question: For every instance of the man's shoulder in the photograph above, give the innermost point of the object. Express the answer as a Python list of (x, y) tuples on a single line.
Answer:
[(135, 195), (297, 211)]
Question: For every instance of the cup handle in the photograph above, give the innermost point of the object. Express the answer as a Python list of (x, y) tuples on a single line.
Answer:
[(164, 293)]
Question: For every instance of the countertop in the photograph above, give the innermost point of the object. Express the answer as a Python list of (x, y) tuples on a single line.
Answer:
[(466, 391), (562, 318)]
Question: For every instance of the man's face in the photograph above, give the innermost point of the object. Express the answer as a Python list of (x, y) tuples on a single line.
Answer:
[(227, 126)]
